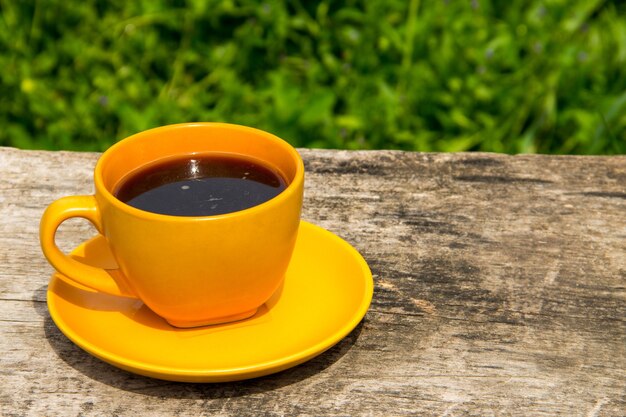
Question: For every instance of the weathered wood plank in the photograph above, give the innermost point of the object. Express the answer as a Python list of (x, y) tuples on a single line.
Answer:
[(500, 289)]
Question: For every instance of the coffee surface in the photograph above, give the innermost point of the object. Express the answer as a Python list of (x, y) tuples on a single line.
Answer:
[(201, 185)]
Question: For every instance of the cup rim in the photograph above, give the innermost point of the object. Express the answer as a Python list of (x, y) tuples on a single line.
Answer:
[(294, 185)]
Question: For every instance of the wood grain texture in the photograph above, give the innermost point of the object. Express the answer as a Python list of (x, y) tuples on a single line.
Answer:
[(500, 290)]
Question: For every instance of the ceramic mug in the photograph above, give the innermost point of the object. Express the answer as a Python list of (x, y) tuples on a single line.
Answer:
[(192, 271)]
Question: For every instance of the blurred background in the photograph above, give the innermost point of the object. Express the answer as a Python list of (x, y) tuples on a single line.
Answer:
[(513, 76)]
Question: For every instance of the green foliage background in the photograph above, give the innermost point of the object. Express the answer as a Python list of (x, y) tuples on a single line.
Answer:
[(434, 75)]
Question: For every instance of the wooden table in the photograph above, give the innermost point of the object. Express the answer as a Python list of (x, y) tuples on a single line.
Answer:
[(500, 289)]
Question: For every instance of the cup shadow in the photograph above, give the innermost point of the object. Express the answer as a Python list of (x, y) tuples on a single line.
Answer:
[(107, 374), (96, 253), (139, 312)]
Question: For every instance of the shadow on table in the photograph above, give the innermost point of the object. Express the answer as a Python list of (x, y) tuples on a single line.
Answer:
[(107, 374)]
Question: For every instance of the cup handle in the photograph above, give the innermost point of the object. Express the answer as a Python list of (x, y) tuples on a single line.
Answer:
[(84, 206)]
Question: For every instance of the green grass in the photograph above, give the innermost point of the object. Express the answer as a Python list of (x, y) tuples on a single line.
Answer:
[(433, 75)]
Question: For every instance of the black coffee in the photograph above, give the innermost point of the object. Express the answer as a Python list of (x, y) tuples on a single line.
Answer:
[(201, 185)]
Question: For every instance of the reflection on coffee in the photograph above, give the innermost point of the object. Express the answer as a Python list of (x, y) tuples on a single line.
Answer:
[(201, 185)]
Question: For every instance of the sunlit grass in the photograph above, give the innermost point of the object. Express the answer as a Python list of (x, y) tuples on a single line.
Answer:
[(432, 75)]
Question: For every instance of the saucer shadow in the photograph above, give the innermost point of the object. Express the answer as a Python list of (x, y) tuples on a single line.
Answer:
[(107, 374)]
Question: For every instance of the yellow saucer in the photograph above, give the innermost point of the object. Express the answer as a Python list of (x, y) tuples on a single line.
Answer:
[(327, 291)]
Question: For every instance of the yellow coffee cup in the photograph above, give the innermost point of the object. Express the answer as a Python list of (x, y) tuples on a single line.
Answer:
[(192, 271)]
